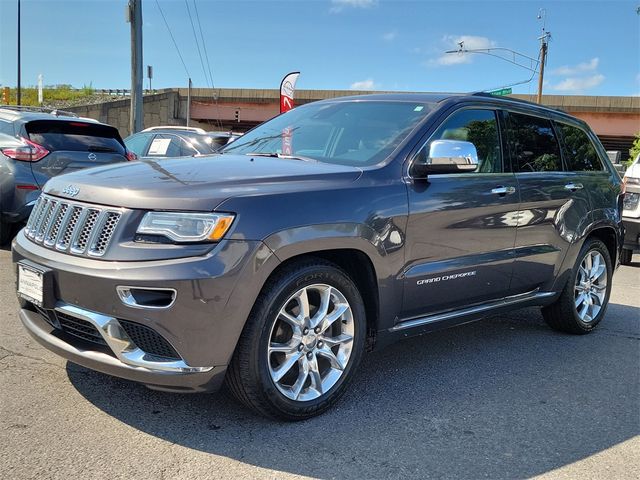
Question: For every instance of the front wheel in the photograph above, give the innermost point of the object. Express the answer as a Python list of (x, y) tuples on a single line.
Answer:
[(302, 342), (584, 300)]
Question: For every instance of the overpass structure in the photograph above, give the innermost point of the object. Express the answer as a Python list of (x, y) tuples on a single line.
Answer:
[(616, 120)]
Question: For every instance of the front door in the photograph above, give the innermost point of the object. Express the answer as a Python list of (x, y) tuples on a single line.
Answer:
[(461, 229)]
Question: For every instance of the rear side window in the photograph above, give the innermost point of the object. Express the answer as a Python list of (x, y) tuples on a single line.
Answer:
[(138, 143), (534, 145), (56, 135), (580, 154)]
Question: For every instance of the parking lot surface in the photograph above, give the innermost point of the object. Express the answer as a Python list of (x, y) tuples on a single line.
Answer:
[(502, 398)]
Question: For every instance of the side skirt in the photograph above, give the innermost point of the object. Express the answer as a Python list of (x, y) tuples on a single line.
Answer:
[(421, 325)]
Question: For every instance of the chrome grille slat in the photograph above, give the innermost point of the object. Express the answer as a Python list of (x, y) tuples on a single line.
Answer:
[(72, 227), (46, 218)]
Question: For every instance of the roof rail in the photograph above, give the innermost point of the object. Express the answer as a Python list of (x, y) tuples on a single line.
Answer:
[(174, 127), (516, 100), (25, 108)]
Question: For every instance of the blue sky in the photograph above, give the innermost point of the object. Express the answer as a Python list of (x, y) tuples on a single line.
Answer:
[(336, 44)]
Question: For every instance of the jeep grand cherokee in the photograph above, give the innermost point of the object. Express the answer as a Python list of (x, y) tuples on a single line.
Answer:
[(337, 227)]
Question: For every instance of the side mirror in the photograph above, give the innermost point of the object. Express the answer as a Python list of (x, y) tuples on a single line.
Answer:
[(446, 156)]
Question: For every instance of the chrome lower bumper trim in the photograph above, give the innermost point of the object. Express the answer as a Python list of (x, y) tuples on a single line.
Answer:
[(125, 350)]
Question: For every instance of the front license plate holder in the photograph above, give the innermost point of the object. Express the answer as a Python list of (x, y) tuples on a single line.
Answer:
[(36, 284)]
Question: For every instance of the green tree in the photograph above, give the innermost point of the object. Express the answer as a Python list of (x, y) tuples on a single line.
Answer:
[(635, 149)]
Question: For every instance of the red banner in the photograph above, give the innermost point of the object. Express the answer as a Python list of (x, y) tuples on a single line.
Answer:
[(287, 90)]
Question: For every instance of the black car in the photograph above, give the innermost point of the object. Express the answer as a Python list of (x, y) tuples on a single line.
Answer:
[(164, 142), (338, 227), (37, 144)]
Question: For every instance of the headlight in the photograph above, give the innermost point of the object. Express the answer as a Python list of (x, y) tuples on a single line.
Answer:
[(186, 227)]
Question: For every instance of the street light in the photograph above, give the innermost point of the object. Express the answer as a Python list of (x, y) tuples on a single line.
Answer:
[(516, 58)]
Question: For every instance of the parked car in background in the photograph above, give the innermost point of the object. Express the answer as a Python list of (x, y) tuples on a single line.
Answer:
[(631, 212), (37, 144), (332, 229), (168, 141)]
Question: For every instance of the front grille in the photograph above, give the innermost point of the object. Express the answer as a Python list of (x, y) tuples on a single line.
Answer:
[(79, 328), (148, 340), (72, 227)]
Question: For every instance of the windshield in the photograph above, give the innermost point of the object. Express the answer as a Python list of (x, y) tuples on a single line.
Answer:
[(356, 133)]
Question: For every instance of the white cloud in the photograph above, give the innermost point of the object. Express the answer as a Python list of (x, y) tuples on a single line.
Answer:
[(453, 42), (579, 84), (367, 84), (583, 67), (390, 36), (340, 5)]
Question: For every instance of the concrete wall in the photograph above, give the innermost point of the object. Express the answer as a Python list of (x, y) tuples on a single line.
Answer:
[(159, 109)]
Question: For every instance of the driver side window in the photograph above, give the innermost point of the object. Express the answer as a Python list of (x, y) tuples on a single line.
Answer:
[(477, 126)]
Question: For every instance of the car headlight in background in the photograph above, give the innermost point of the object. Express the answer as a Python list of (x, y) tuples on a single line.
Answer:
[(186, 227)]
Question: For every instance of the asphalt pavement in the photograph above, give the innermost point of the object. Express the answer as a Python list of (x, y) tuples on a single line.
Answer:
[(505, 397)]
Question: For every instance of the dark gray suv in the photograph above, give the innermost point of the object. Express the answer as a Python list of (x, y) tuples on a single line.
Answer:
[(338, 227), (37, 144)]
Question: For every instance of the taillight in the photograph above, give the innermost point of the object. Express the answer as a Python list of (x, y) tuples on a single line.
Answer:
[(131, 156), (31, 152)]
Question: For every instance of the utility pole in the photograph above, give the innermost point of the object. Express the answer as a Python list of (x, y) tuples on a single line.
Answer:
[(135, 18), (543, 58), (189, 102), (544, 40), (19, 90)]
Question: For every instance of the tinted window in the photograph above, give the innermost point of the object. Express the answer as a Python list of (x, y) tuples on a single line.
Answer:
[(138, 143), (534, 145), (580, 154), (57, 135), (6, 127), (354, 133), (479, 127)]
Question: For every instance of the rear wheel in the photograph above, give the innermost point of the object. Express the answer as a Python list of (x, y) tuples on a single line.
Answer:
[(625, 258), (302, 343), (584, 300)]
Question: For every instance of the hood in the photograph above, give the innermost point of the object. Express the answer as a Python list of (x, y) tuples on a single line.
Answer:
[(196, 183)]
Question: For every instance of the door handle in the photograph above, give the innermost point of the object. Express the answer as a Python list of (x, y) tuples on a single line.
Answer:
[(574, 186), (502, 191)]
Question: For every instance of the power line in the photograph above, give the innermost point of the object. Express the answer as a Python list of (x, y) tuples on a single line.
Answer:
[(173, 39), (195, 36), (204, 45), (206, 56)]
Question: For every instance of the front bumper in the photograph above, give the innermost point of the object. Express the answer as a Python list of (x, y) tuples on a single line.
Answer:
[(202, 324), (175, 377), (632, 233)]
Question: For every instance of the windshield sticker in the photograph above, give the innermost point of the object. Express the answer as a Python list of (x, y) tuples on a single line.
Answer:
[(159, 146), (418, 108)]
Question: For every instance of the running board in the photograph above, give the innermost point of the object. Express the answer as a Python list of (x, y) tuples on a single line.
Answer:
[(416, 322)]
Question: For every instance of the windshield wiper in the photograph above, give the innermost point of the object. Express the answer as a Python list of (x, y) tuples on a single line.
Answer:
[(278, 155)]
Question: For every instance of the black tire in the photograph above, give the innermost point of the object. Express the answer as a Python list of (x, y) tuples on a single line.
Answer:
[(625, 257), (248, 376), (5, 233), (562, 315)]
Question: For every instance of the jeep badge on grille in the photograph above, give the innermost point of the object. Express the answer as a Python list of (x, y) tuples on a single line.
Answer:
[(70, 191)]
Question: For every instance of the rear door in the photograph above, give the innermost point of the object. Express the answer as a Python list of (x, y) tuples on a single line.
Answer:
[(462, 226), (73, 145), (554, 204)]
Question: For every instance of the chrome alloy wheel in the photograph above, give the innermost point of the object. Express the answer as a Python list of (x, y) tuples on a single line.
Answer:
[(310, 342), (591, 286)]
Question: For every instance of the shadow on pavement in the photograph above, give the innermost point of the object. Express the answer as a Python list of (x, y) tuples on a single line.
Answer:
[(502, 398)]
